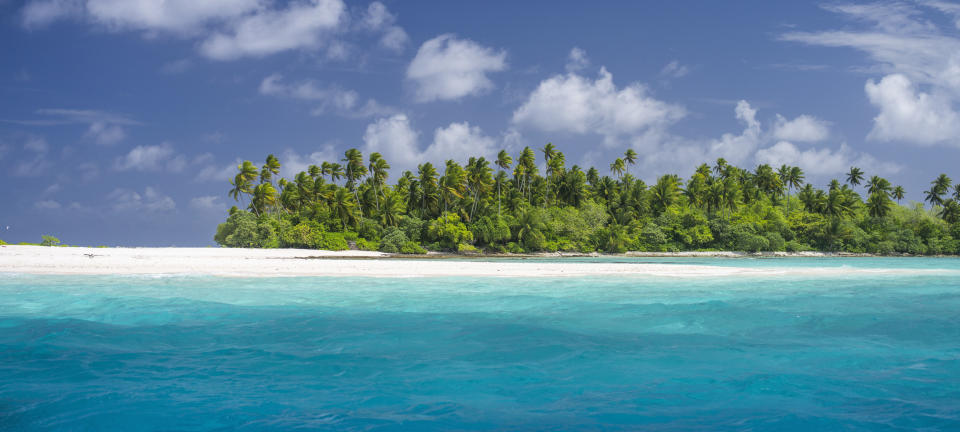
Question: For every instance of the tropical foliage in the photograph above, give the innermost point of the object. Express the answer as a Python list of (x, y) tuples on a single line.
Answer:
[(523, 203)]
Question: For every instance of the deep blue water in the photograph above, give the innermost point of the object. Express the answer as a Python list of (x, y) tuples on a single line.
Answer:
[(865, 352)]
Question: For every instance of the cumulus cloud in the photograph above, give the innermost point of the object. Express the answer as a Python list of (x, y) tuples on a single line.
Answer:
[(907, 114), (396, 139), (823, 161), (661, 151), (300, 25), (331, 99), (151, 158), (378, 19), (228, 29), (918, 95), (576, 104), (448, 68), (150, 201), (804, 128)]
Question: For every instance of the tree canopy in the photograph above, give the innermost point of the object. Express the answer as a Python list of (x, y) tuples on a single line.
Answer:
[(510, 204)]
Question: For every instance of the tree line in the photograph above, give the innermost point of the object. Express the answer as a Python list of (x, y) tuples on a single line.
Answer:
[(509, 204)]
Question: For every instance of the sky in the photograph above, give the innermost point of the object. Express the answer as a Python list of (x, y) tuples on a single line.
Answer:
[(121, 121)]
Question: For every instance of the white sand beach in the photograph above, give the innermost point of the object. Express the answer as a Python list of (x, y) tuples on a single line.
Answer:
[(299, 262)]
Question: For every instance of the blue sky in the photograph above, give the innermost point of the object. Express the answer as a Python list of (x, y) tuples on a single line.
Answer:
[(122, 120)]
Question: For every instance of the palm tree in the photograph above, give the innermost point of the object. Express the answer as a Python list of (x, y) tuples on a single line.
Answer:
[(270, 169), (355, 171), (342, 207), (336, 172), (878, 205), (898, 193), (617, 167), (240, 186), (503, 162), (854, 176), (478, 179), (378, 173), (877, 184), (938, 188), (428, 185), (950, 212), (264, 197)]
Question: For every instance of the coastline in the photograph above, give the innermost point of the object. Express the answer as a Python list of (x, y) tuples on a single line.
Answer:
[(228, 262)]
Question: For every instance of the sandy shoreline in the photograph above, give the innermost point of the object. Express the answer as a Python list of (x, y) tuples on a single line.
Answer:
[(298, 262)]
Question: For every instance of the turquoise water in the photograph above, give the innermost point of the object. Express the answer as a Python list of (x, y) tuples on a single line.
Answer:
[(840, 352)]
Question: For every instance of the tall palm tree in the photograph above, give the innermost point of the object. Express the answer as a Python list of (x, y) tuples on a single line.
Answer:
[(617, 167), (854, 176), (355, 171), (878, 184), (378, 173), (878, 205), (503, 162), (264, 197), (270, 168), (428, 185), (341, 205), (898, 193)]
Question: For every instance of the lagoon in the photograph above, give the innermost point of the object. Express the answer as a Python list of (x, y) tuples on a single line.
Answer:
[(838, 348)]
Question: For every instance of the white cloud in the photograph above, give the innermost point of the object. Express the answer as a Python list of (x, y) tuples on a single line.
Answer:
[(378, 19), (804, 128), (459, 141), (346, 103), (822, 162), (292, 163), (300, 25), (150, 201), (910, 115), (397, 141), (208, 202), (577, 60), (105, 133), (447, 68), (921, 64), (151, 158), (229, 29), (674, 70), (575, 104), (47, 205)]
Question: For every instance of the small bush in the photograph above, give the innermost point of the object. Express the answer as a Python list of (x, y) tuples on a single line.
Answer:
[(412, 248), (49, 240), (367, 245), (2, 242), (393, 240), (334, 241), (465, 248)]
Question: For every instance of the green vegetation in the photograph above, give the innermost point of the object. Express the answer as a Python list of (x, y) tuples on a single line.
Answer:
[(49, 240), (2, 242), (508, 205)]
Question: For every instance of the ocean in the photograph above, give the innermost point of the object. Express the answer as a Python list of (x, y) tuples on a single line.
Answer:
[(844, 349)]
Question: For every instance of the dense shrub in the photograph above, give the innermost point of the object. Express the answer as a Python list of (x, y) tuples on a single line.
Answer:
[(49, 240), (449, 232)]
